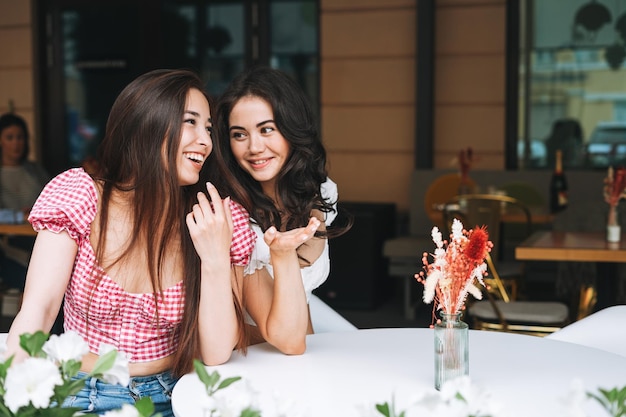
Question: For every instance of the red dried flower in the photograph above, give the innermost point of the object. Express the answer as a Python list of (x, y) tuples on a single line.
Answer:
[(455, 266), (615, 185), (476, 249)]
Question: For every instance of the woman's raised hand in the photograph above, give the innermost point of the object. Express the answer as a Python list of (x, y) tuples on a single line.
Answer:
[(291, 239), (211, 225)]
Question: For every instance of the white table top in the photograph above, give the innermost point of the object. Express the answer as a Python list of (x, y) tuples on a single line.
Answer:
[(343, 373)]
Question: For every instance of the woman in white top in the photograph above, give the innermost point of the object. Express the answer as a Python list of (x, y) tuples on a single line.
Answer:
[(269, 138)]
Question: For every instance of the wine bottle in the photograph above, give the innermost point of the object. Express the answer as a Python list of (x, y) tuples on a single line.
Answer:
[(558, 186)]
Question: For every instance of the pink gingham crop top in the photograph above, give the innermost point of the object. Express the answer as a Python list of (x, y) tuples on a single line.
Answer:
[(111, 315)]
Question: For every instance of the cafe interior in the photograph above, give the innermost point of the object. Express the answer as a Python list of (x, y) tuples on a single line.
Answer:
[(504, 114)]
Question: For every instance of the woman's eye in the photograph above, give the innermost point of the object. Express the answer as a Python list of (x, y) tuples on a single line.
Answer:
[(237, 135), (209, 129), (267, 129), (190, 121)]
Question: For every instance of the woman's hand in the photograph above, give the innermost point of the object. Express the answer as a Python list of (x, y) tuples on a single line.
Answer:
[(211, 225), (283, 242)]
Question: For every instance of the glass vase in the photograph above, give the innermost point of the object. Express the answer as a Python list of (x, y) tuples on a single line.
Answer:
[(451, 348), (613, 229)]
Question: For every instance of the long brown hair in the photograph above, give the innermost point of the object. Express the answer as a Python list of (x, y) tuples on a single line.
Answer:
[(145, 123)]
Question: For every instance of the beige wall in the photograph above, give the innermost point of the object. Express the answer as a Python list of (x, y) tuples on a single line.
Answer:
[(368, 66), (16, 63), (368, 91)]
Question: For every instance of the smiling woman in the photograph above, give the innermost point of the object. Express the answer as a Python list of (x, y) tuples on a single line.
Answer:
[(270, 140), (137, 254)]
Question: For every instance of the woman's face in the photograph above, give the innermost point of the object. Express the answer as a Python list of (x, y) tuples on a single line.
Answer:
[(12, 142), (195, 139), (257, 145)]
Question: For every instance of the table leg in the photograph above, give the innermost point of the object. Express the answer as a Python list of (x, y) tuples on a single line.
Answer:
[(409, 311), (607, 285)]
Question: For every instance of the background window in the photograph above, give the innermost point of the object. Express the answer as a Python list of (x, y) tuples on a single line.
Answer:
[(572, 83)]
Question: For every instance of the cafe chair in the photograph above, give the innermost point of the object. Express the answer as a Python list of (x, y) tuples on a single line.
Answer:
[(524, 192), (499, 313), (599, 330), (439, 192), (490, 211), (325, 319)]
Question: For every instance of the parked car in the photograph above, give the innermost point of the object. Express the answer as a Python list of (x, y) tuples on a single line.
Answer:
[(607, 145), (537, 156)]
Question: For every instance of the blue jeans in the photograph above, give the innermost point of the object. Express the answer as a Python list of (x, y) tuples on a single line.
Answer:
[(98, 397)]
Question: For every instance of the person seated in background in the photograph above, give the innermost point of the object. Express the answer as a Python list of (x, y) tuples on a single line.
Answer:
[(21, 181), (567, 136)]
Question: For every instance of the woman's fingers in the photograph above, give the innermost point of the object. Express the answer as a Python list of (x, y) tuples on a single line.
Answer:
[(212, 212), (291, 239), (216, 199)]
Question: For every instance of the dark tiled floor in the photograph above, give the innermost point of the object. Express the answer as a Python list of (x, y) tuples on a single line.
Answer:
[(389, 312)]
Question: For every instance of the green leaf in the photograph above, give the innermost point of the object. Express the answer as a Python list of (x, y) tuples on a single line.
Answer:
[(201, 372), (4, 366), (4, 410), (61, 392), (70, 368), (226, 382), (33, 343), (613, 400), (57, 412), (383, 409), (104, 363), (250, 412), (145, 406)]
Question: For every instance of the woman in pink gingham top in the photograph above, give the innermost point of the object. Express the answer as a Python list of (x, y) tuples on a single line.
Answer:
[(141, 258)]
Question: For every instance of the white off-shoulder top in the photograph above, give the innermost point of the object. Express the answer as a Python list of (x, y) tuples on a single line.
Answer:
[(312, 276)]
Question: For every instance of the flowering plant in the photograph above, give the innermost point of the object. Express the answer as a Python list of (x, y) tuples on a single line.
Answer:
[(614, 190), (38, 385), (461, 397), (239, 404), (456, 263), (465, 160)]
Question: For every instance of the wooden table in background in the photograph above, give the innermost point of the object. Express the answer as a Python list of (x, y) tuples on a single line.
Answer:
[(579, 247), (22, 229), (571, 246)]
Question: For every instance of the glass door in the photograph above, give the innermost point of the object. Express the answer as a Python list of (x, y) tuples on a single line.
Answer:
[(88, 52)]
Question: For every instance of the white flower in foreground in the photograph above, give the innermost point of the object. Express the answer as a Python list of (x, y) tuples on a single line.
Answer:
[(457, 398), (238, 397), (478, 401), (31, 381), (118, 374), (127, 410), (69, 345), (575, 399), (288, 407)]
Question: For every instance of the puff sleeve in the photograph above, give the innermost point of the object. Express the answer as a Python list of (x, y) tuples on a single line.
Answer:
[(68, 202), (243, 237)]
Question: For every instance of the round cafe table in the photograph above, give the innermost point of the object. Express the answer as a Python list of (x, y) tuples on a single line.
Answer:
[(345, 373)]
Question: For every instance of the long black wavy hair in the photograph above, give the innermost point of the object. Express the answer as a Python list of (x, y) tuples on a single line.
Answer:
[(299, 180)]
